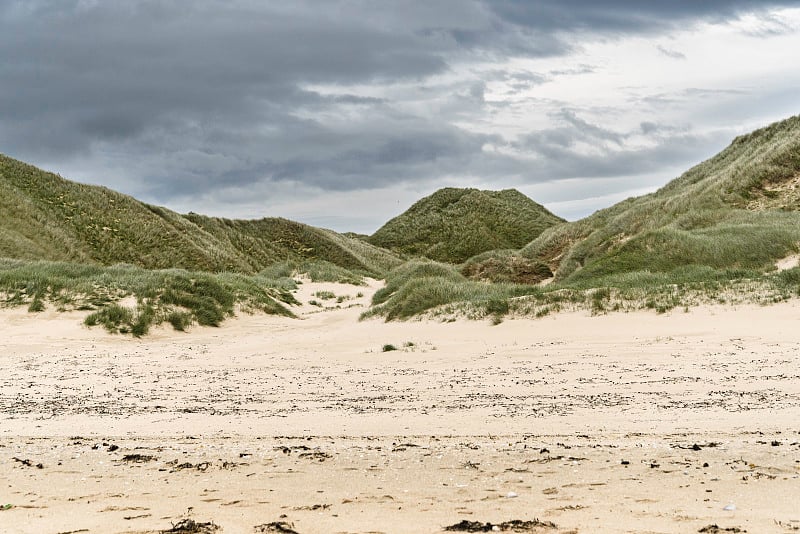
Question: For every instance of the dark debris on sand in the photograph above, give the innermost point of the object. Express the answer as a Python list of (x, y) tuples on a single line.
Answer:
[(27, 463), (514, 525), (716, 529), (138, 458), (202, 466), (696, 447), (190, 526), (278, 527)]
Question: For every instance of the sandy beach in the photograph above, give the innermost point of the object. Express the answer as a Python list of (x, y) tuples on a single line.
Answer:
[(627, 422)]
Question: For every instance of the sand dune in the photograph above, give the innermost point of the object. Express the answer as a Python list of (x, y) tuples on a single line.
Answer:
[(620, 423)]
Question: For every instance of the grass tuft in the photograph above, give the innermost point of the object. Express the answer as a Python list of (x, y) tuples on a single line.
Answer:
[(37, 305), (113, 317), (420, 286)]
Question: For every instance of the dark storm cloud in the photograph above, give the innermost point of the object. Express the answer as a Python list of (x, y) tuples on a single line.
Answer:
[(376, 153), (622, 16), (109, 65)]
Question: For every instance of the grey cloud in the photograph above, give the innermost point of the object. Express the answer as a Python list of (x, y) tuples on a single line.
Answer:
[(386, 159), (662, 100), (648, 127), (569, 164), (519, 81), (505, 38), (582, 69), (674, 54), (229, 78), (591, 131), (703, 92), (516, 75), (533, 78), (622, 16), (574, 130), (559, 153), (378, 153), (111, 71), (356, 100)]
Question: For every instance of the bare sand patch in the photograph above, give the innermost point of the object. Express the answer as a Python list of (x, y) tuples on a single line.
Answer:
[(789, 262), (620, 423)]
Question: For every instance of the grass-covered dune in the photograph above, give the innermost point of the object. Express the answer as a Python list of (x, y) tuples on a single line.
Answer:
[(130, 299), (268, 241), (453, 224), (738, 210), (45, 217), (712, 235), (424, 288), (68, 246), (422, 285)]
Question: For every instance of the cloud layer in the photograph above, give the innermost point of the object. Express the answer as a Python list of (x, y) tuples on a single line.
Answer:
[(239, 108)]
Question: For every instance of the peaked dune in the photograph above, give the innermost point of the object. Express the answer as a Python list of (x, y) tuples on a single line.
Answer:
[(453, 224)]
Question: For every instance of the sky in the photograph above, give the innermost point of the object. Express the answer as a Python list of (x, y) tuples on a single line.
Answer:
[(342, 113)]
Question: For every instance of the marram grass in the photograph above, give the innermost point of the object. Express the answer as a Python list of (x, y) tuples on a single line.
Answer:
[(454, 224), (45, 217), (737, 210), (178, 297), (435, 290)]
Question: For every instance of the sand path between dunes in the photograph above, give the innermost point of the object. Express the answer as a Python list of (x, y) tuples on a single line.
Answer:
[(630, 422)]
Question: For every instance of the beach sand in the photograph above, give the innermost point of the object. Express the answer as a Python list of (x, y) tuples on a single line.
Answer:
[(627, 422)]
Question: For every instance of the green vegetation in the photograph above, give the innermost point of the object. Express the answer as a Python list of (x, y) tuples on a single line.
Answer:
[(44, 217), (453, 225), (738, 210), (439, 290), (712, 235), (68, 241), (175, 296), (315, 270), (419, 286), (37, 305), (506, 266), (266, 242), (388, 348)]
